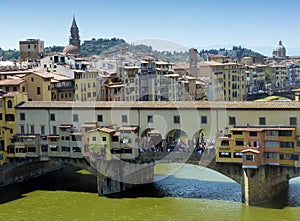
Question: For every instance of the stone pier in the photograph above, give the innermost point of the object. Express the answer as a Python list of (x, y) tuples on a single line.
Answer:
[(265, 183), (116, 176)]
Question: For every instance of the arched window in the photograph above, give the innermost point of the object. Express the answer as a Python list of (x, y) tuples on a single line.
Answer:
[(9, 104)]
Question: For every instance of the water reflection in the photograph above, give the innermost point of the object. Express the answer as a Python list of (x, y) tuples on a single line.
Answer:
[(65, 179)]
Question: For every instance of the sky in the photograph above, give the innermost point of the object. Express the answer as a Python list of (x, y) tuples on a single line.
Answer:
[(189, 23)]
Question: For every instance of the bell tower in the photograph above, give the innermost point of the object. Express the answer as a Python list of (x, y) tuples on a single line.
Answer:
[(74, 38)]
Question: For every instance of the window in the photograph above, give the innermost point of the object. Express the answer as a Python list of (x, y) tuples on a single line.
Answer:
[(225, 143), (253, 133), (262, 121), (67, 138), (94, 139), (52, 117), (32, 80), (271, 155), (0, 103), (203, 119), (149, 119), (124, 119), (53, 148), (22, 127), (237, 155), (15, 89), (22, 116), (237, 132), (103, 138), (32, 129), (115, 139), (42, 129), (75, 118), (176, 119), (249, 157), (65, 149), (271, 144), (293, 121), (76, 138), (44, 148), (286, 144), (0, 116), (285, 133), (9, 104), (239, 143), (271, 133), (127, 150), (100, 118), (224, 154), (38, 90), (54, 130), (76, 149), (10, 117), (232, 121), (31, 149)]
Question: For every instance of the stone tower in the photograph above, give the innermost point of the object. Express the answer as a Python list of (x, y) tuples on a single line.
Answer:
[(74, 40), (193, 62)]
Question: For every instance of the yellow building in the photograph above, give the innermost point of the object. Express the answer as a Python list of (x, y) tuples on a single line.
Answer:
[(229, 147), (286, 139), (260, 146), (38, 86), (100, 143), (85, 85), (227, 80), (62, 88), (15, 84), (8, 118)]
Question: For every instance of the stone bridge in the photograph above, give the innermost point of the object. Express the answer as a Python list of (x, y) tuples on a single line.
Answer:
[(258, 185)]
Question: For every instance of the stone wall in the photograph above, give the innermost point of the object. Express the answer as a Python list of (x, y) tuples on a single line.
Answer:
[(19, 171)]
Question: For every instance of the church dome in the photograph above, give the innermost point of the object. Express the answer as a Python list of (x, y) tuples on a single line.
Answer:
[(280, 47), (71, 49), (280, 51)]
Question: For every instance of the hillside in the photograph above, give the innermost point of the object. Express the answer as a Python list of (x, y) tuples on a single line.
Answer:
[(236, 52), (101, 45)]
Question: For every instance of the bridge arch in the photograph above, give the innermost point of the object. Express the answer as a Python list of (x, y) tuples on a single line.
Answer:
[(151, 138), (177, 139)]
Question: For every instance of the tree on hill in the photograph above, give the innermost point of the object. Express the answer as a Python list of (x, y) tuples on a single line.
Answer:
[(9, 54)]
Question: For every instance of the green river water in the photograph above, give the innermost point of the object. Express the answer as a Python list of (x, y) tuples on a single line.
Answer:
[(191, 193)]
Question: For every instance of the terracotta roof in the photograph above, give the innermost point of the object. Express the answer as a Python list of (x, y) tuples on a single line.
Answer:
[(16, 81), (128, 128), (43, 74), (250, 150), (162, 63), (53, 136), (103, 129), (76, 133), (65, 126), (89, 125), (172, 75), (16, 72), (130, 67)]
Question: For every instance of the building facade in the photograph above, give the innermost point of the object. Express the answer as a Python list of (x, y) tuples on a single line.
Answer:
[(31, 50)]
